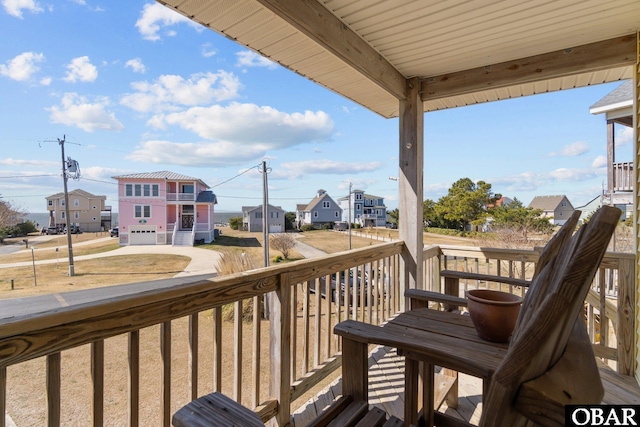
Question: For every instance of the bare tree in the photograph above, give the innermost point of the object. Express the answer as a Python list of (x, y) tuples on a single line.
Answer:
[(9, 215), (282, 242)]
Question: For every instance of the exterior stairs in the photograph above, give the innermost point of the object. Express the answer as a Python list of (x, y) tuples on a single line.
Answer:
[(183, 238)]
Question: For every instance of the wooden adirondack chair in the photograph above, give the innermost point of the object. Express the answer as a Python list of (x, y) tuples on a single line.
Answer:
[(548, 364)]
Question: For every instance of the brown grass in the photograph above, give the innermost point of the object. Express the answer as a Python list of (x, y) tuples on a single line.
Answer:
[(47, 250)]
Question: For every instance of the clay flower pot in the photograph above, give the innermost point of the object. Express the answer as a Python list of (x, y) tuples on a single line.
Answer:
[(493, 313)]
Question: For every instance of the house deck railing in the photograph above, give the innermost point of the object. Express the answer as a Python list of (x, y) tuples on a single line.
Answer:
[(231, 347), (181, 197), (623, 176)]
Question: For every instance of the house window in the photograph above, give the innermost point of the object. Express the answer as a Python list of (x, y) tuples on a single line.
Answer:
[(336, 214), (274, 214), (62, 214), (94, 219), (142, 211), (128, 190), (358, 206), (315, 214), (187, 188), (146, 190), (61, 202), (359, 196), (258, 215), (95, 207), (137, 190), (76, 215), (50, 202), (563, 204), (326, 204), (76, 202), (155, 190)]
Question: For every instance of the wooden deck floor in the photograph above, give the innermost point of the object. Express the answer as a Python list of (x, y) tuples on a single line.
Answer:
[(386, 390)]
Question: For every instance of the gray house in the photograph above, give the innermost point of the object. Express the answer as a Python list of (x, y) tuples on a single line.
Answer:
[(557, 208), (364, 209), (252, 218), (320, 211)]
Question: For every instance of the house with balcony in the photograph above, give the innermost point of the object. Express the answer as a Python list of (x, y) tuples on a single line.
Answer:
[(160, 208), (617, 106), (252, 218), (320, 212), (556, 208), (363, 209), (86, 211)]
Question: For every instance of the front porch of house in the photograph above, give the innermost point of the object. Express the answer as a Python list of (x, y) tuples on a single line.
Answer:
[(145, 355)]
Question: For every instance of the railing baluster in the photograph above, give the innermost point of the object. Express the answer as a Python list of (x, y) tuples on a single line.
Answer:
[(3, 395), (217, 348), (237, 351), (255, 360), (307, 326), (294, 331), (97, 378), (134, 378), (193, 356), (327, 306), (317, 324), (604, 323), (53, 390), (165, 350)]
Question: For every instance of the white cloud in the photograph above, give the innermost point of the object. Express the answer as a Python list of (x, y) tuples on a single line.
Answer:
[(599, 162), (15, 7), (75, 110), (208, 51), (248, 58), (22, 67), (81, 69), (136, 65), (45, 81), (571, 150), (170, 91), (196, 154), (154, 16), (566, 174), (262, 127), (624, 136), (295, 170), (20, 162)]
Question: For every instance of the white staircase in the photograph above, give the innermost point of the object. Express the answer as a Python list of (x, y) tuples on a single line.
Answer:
[(182, 238)]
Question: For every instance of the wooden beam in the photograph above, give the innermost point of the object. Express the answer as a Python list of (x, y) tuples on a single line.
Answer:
[(312, 19), (602, 55)]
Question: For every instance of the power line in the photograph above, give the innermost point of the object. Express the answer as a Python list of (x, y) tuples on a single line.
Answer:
[(232, 178)]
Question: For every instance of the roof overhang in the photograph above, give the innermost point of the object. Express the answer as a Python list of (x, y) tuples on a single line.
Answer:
[(463, 52)]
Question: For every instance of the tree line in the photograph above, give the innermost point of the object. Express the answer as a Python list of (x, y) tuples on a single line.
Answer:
[(469, 204)]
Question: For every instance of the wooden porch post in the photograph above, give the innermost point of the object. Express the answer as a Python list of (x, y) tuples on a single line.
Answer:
[(611, 157), (280, 351), (636, 199), (411, 187)]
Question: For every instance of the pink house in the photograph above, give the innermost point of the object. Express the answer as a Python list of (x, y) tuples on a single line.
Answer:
[(159, 208)]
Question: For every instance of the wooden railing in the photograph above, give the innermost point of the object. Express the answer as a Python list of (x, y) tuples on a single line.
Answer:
[(176, 341), (609, 311), (623, 176), (141, 333)]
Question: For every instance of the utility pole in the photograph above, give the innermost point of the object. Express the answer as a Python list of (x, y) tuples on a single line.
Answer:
[(265, 212), (66, 207)]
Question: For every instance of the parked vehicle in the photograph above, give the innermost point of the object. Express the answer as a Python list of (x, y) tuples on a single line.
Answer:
[(114, 232), (52, 230), (74, 230)]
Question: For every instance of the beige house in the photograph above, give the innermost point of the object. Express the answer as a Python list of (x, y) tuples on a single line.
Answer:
[(557, 208), (86, 210)]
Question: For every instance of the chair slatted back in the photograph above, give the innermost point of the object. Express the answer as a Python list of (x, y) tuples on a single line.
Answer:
[(548, 317)]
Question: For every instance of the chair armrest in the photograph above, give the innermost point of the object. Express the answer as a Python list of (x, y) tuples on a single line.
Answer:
[(428, 296), (485, 277)]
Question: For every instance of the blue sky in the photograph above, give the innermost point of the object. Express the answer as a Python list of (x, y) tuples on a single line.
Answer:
[(138, 88)]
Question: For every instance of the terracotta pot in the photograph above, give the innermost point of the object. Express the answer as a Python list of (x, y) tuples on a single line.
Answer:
[(493, 313)]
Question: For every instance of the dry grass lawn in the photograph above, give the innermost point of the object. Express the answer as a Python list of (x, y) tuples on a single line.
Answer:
[(47, 250)]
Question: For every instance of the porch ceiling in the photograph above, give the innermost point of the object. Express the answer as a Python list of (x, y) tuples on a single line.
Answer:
[(466, 52)]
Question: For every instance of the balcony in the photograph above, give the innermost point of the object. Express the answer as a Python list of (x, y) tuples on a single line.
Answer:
[(144, 355), (623, 176), (181, 197)]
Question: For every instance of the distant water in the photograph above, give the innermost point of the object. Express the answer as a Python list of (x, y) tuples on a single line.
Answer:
[(42, 218)]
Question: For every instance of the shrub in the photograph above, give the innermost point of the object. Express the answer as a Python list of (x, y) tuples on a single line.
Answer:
[(277, 259), (307, 227), (282, 242), (235, 223)]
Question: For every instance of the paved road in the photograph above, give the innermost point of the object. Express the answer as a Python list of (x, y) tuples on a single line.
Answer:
[(202, 266)]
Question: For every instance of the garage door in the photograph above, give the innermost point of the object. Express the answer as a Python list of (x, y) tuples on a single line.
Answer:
[(275, 228), (142, 235)]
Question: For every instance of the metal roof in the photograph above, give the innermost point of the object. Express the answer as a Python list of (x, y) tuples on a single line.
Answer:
[(169, 176), (464, 52)]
